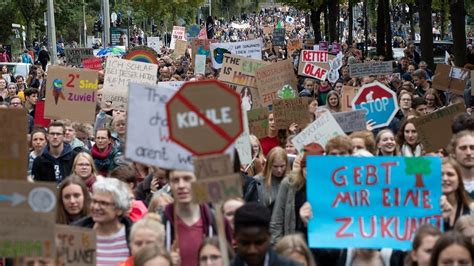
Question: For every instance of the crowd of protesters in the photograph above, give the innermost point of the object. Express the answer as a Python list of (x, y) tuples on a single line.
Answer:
[(145, 215)]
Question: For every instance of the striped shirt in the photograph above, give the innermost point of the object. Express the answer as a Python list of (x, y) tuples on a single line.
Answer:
[(113, 249)]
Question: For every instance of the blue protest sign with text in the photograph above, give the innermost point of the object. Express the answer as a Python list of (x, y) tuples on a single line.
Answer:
[(371, 202)]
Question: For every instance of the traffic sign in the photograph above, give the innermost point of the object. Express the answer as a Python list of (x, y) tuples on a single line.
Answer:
[(205, 117), (379, 101)]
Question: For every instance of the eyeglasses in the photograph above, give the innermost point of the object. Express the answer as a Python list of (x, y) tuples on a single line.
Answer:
[(212, 258), (102, 204), (12, 103)]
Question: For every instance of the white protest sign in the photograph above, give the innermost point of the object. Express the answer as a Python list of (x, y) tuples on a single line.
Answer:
[(351, 121), (315, 71), (370, 68), (314, 56), (250, 49), (119, 72), (200, 64), (147, 128), (320, 131), (154, 43), (179, 33), (242, 144)]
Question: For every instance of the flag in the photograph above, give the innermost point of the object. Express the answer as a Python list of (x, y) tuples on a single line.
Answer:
[(290, 20)]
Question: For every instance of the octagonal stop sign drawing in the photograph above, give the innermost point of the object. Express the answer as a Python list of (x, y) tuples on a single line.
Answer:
[(205, 117), (379, 101)]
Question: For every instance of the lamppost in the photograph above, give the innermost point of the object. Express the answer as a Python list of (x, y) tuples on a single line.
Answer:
[(52, 32), (129, 12)]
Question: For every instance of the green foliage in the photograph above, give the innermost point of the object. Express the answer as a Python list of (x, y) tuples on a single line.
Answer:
[(303, 5)]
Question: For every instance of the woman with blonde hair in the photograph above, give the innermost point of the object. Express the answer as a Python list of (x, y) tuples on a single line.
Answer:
[(258, 159), (333, 103), (294, 247), (386, 143), (465, 226), (270, 179), (84, 167), (152, 255), (363, 140)]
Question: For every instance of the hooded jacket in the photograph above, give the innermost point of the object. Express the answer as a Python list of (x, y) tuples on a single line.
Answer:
[(47, 168)]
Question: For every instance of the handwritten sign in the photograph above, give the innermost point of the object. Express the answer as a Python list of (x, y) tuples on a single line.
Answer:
[(180, 48), (437, 122), (71, 93), (375, 202), (92, 63), (348, 94), (119, 73), (447, 79), (315, 56), (212, 165), (200, 64), (154, 43), (217, 188), (371, 68), (289, 111), (39, 115), (293, 45), (258, 122), (274, 77), (13, 144), (278, 37), (250, 49), (320, 131), (315, 71), (242, 144), (178, 33), (351, 121), (75, 246), (75, 56), (28, 219)]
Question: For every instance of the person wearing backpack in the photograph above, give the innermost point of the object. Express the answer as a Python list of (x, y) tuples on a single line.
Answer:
[(26, 57)]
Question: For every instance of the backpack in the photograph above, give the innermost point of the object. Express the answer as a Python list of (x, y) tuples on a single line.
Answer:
[(25, 58)]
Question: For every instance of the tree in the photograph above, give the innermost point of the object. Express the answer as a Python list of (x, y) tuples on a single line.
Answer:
[(333, 19), (32, 11), (417, 166), (426, 32), (458, 15)]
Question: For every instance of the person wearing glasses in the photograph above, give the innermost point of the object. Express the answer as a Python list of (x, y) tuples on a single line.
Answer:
[(108, 217), (15, 103), (57, 159), (209, 253)]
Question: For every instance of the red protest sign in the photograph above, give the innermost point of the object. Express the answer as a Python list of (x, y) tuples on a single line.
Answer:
[(205, 117), (39, 115), (315, 56), (92, 63)]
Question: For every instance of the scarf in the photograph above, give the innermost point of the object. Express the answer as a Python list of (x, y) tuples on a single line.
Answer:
[(89, 182), (408, 152), (103, 160), (101, 154)]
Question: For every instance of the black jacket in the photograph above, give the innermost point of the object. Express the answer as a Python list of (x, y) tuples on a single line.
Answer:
[(274, 260), (143, 190), (43, 166)]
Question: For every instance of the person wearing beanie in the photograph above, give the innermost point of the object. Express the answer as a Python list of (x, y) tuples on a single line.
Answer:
[(291, 196), (252, 236)]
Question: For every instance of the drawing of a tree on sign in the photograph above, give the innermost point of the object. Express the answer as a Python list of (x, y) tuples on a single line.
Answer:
[(417, 166)]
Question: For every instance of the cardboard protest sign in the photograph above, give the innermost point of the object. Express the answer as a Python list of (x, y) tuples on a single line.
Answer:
[(372, 202), (201, 47), (274, 78), (314, 70), (200, 64), (310, 56), (438, 122), (154, 43), (92, 63), (289, 111), (293, 45), (39, 115), (258, 122), (178, 33), (348, 94), (308, 43), (28, 219), (251, 49), (217, 188), (212, 165), (75, 246), (119, 73), (371, 68), (71, 93), (278, 37), (320, 131), (75, 56), (351, 121), (447, 78), (242, 144), (180, 47), (13, 144), (323, 45)]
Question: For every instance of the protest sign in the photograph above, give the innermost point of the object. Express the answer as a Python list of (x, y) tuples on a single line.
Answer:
[(199, 123), (351, 121), (372, 202), (39, 115), (267, 30), (217, 188), (250, 49), (314, 70), (13, 144), (310, 56), (258, 122), (71, 93), (293, 45), (75, 246), (242, 144), (437, 122), (447, 79), (201, 47), (28, 219), (200, 64), (289, 111), (320, 131), (371, 68), (212, 165), (278, 37), (92, 63), (74, 56), (119, 73), (180, 48), (178, 33), (273, 78), (323, 45), (154, 43), (336, 48), (348, 94)]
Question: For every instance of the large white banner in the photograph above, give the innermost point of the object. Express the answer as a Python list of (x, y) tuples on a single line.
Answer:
[(251, 49)]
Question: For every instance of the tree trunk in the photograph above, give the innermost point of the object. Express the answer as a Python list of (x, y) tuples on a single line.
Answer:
[(426, 32), (326, 22), (351, 22), (316, 23), (458, 24), (388, 31), (333, 14), (419, 181), (380, 28), (411, 21)]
